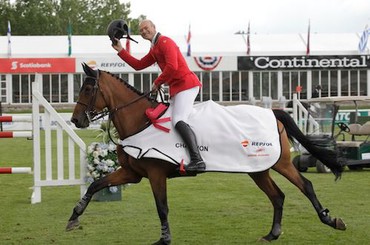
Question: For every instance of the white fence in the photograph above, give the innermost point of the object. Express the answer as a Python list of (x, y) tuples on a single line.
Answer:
[(302, 117), (65, 172)]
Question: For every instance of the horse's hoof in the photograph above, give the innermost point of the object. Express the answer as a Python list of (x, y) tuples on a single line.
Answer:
[(262, 239), (73, 225), (162, 242), (340, 225)]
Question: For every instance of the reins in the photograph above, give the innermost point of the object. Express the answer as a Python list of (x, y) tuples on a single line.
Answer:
[(152, 98), (111, 112)]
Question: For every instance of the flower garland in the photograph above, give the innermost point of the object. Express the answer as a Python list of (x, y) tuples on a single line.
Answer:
[(101, 160)]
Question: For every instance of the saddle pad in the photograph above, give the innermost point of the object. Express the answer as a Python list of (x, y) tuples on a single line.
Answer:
[(240, 138)]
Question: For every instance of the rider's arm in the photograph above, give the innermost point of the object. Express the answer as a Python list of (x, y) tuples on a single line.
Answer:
[(137, 64)]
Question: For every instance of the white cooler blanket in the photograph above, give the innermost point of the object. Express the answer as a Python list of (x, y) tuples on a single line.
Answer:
[(241, 138)]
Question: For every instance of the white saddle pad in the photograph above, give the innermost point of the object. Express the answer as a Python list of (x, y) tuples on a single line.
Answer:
[(239, 138)]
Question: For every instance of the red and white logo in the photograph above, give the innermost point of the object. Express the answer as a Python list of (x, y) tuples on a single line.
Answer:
[(245, 143)]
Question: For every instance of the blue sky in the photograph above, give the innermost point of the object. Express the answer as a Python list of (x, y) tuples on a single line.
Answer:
[(172, 17)]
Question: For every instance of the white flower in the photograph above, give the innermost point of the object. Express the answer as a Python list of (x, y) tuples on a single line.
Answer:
[(104, 152), (96, 154), (110, 163), (95, 175), (111, 147), (90, 149)]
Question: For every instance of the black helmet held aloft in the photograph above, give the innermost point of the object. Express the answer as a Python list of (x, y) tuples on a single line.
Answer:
[(117, 29)]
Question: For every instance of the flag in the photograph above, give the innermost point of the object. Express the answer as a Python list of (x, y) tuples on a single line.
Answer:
[(248, 39), (363, 40), (9, 33), (69, 31), (188, 53), (128, 46), (298, 89), (308, 38)]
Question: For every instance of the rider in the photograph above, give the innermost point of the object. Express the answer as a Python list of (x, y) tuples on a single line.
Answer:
[(183, 84)]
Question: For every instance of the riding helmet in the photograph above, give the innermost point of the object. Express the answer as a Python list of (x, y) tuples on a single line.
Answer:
[(117, 29)]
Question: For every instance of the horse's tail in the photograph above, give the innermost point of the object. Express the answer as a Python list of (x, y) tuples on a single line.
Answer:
[(327, 156)]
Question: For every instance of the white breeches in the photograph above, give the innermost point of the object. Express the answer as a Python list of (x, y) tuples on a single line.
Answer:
[(182, 105)]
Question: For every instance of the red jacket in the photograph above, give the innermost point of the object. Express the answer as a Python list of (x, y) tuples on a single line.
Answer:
[(175, 71)]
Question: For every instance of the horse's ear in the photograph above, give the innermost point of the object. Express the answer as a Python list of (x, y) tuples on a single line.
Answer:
[(88, 70)]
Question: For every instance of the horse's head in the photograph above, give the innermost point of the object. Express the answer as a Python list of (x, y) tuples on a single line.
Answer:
[(91, 101)]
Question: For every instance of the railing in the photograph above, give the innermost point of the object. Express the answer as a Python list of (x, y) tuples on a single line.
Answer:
[(303, 118)]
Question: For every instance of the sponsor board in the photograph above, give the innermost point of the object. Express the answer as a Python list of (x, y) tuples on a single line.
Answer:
[(37, 65)]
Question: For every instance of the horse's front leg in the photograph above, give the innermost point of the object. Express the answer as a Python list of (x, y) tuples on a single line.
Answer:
[(158, 182), (119, 177)]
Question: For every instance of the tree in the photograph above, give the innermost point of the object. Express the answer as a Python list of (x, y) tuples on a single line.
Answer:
[(52, 17), (6, 14), (34, 17)]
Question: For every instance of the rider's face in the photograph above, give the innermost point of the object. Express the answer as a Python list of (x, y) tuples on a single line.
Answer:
[(147, 30)]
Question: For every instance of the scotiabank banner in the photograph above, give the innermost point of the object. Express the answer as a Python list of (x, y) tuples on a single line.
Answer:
[(37, 65)]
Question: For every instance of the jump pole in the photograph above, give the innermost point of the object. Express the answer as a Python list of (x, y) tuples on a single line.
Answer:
[(16, 134), (18, 118), (19, 170)]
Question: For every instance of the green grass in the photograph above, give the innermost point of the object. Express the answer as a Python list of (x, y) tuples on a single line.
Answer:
[(212, 208)]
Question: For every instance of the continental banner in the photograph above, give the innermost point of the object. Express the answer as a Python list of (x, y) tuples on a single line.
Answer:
[(303, 62)]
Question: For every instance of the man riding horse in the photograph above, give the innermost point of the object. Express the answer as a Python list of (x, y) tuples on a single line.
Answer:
[(183, 84)]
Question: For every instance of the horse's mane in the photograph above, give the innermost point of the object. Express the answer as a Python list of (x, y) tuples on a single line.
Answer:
[(132, 88)]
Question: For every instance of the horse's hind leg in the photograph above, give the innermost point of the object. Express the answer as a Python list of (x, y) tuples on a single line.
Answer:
[(292, 174), (276, 196), (287, 169)]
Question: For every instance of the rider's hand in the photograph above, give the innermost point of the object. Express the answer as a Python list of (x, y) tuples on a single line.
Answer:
[(117, 45), (155, 87)]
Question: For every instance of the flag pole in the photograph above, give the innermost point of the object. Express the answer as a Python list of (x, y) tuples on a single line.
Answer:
[(69, 31), (308, 48), (9, 34), (128, 44), (248, 39)]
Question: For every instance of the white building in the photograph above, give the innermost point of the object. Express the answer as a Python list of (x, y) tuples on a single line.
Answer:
[(276, 66)]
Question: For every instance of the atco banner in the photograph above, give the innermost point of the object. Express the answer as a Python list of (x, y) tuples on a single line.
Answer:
[(37, 65)]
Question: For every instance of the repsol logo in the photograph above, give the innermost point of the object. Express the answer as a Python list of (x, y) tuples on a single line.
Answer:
[(200, 147), (257, 143), (113, 64)]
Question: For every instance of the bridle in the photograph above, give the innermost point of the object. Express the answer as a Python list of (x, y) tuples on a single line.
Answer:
[(92, 114)]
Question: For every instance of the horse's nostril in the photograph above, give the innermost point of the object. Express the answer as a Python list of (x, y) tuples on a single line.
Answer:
[(74, 120)]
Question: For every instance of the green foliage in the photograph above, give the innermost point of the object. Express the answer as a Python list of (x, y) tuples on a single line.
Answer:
[(51, 17), (211, 209)]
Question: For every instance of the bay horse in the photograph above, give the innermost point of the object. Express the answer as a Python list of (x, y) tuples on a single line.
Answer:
[(103, 93)]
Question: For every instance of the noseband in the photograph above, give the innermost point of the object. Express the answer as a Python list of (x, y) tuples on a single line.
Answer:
[(92, 114)]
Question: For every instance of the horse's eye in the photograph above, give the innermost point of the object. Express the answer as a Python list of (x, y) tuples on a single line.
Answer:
[(88, 89)]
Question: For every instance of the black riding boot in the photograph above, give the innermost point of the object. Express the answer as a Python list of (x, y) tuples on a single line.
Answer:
[(196, 162)]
